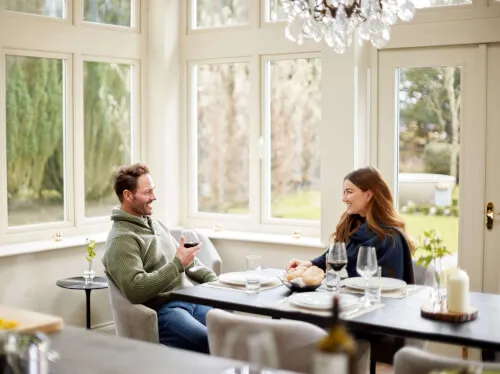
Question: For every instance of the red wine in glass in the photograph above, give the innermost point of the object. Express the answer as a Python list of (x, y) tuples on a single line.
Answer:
[(191, 245), (337, 265)]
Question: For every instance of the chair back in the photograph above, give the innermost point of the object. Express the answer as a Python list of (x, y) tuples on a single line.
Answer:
[(410, 360), (135, 321), (295, 340)]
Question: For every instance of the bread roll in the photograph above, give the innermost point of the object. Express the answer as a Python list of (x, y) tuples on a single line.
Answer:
[(313, 276), (295, 273)]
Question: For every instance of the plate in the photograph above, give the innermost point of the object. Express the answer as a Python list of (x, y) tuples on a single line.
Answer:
[(386, 284), (238, 278), (323, 300)]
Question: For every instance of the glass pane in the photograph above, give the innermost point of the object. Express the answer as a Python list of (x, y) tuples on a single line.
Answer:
[(110, 12), (436, 3), (429, 149), (35, 140), (223, 92), (49, 8), (220, 13), (108, 131), (275, 11), (295, 116)]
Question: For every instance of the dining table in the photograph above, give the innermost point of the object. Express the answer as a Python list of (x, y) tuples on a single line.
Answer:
[(396, 316)]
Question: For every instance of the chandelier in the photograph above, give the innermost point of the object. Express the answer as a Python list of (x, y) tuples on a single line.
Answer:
[(335, 21)]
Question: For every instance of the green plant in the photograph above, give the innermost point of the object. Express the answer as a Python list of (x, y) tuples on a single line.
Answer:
[(437, 158), (90, 250), (431, 247)]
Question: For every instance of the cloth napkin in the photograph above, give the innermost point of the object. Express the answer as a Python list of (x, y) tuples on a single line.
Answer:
[(218, 284)]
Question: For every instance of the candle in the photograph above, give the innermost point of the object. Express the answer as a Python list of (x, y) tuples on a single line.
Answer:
[(458, 291)]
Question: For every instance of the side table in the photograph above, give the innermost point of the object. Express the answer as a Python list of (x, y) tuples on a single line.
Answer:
[(78, 283)]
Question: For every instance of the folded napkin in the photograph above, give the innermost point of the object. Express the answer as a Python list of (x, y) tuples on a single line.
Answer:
[(394, 294), (285, 304), (218, 284)]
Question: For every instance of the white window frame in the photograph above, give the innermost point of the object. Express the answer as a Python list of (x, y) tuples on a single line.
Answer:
[(74, 41), (204, 46)]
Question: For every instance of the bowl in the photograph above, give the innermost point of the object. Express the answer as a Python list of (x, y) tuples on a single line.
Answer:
[(296, 285)]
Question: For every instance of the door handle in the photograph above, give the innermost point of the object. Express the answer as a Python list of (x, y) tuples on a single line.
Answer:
[(490, 215)]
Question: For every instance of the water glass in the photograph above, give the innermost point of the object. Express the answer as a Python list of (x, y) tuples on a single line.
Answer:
[(336, 260), (374, 288), (252, 274)]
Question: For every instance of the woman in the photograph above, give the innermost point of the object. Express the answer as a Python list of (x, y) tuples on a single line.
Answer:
[(370, 220)]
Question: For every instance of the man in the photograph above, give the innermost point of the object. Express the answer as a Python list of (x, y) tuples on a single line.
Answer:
[(146, 262)]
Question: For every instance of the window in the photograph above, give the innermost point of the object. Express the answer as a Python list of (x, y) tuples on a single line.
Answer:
[(48, 8), (222, 100), (429, 149), (439, 3), (107, 130), (220, 13), (274, 11), (253, 157), (294, 114), (35, 122), (110, 12), (70, 118)]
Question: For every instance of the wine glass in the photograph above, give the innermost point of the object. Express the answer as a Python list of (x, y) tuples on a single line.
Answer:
[(336, 260), (366, 266), (191, 240)]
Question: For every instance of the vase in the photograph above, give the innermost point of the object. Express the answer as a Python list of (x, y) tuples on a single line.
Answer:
[(88, 273), (439, 289)]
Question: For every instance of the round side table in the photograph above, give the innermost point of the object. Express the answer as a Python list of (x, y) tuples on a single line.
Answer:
[(78, 283)]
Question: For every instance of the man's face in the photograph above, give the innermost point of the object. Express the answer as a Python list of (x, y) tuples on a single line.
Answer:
[(140, 201)]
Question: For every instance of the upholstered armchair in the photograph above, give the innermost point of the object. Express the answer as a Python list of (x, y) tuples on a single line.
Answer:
[(137, 321)]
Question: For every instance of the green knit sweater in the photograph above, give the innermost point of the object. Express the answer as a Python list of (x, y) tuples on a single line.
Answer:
[(141, 259)]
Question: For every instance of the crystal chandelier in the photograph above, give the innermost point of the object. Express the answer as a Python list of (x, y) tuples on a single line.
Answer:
[(337, 20)]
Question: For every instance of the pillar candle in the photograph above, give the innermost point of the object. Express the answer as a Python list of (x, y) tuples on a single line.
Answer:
[(458, 291)]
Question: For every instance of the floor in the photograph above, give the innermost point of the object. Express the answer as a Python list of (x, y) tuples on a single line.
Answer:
[(384, 369)]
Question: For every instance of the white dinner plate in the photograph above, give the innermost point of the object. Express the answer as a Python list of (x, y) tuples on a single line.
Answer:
[(238, 278), (386, 284), (323, 300)]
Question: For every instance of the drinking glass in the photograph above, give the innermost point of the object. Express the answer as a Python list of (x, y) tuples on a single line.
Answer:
[(336, 260), (374, 287), (252, 276), (366, 266), (191, 240), (256, 346)]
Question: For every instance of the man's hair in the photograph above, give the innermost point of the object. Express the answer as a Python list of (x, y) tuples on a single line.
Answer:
[(126, 178)]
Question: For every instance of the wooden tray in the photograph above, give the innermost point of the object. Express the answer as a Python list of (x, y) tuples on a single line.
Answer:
[(31, 321), (428, 310)]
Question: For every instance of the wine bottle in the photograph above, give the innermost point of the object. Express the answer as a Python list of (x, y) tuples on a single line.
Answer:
[(336, 351)]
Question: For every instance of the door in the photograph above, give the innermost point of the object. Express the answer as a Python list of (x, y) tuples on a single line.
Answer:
[(430, 145), (491, 276)]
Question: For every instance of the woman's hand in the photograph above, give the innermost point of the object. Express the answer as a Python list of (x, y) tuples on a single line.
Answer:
[(296, 263)]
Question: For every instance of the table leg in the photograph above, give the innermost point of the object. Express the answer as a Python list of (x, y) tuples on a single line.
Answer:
[(87, 302)]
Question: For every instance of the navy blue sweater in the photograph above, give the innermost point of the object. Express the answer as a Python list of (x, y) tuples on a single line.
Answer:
[(393, 254)]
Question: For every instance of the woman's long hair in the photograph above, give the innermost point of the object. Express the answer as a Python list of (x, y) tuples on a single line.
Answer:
[(381, 216)]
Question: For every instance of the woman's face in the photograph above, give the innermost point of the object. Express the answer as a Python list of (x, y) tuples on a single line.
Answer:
[(355, 198)]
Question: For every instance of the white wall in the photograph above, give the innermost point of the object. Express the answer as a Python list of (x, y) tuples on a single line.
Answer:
[(29, 281)]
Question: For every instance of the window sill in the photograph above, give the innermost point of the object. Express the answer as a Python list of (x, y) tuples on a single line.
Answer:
[(303, 241), (49, 245)]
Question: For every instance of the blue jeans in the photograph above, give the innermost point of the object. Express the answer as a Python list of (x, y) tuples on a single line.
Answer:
[(183, 325)]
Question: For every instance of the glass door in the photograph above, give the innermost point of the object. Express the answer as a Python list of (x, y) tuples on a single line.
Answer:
[(430, 146)]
